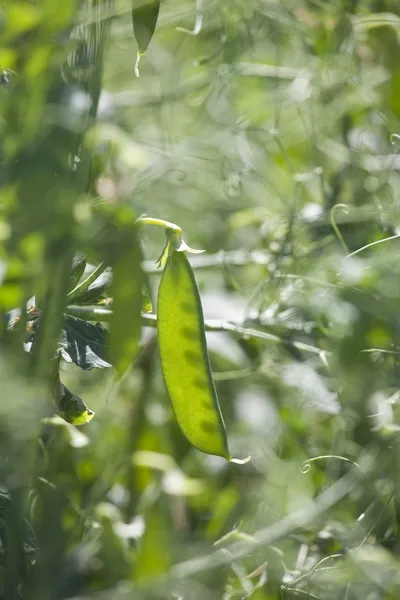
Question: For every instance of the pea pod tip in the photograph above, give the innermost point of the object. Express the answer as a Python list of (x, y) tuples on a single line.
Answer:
[(240, 461)]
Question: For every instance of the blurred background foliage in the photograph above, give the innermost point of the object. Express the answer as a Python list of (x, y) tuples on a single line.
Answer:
[(269, 131)]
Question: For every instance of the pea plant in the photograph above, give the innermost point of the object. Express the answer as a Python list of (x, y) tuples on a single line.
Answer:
[(182, 343)]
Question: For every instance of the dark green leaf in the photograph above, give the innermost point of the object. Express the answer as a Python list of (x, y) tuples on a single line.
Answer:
[(144, 19), (84, 344), (97, 291), (78, 267), (73, 408), (29, 541)]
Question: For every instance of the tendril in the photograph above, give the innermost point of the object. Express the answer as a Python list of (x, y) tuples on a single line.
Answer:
[(306, 466), (138, 56), (334, 224), (180, 173), (198, 23), (394, 138)]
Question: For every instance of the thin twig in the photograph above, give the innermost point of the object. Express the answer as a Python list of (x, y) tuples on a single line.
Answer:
[(234, 258), (334, 224), (388, 239)]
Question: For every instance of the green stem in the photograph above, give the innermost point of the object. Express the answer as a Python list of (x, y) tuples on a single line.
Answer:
[(145, 365), (334, 224), (82, 287), (95, 313), (144, 220), (393, 237), (89, 313), (235, 258)]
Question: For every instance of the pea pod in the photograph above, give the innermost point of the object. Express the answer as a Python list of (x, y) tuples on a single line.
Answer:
[(184, 358)]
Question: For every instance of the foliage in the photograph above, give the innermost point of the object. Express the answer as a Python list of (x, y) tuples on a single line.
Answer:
[(269, 133)]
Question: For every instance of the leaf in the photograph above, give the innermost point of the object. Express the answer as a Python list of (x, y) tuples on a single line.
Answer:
[(99, 292), (147, 305), (144, 20), (73, 408), (84, 343), (78, 267), (96, 292), (29, 546)]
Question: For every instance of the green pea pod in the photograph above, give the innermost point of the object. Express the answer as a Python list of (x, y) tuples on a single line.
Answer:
[(144, 19), (184, 358)]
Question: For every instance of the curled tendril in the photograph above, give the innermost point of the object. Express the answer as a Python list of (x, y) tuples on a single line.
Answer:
[(181, 175), (335, 228), (306, 466), (394, 138), (136, 69), (198, 23)]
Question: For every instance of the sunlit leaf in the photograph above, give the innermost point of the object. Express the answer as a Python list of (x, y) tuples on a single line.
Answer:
[(73, 409), (84, 343)]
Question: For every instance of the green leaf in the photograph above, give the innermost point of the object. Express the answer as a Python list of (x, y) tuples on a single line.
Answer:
[(147, 305), (73, 408), (29, 546), (78, 267), (84, 343), (144, 19), (99, 290)]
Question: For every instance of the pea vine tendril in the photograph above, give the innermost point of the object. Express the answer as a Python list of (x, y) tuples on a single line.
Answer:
[(306, 466), (335, 227)]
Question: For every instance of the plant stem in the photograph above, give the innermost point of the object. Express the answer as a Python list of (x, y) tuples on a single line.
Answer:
[(95, 313), (144, 220), (388, 239), (235, 258), (335, 226), (145, 365)]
